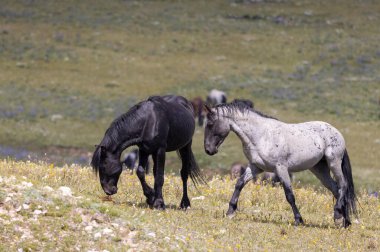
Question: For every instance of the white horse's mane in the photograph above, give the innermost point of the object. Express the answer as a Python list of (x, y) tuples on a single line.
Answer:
[(238, 109)]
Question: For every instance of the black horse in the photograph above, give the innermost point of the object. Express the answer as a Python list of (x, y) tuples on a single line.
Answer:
[(157, 125)]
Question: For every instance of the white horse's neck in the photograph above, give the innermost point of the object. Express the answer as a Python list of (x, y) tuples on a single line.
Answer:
[(249, 127)]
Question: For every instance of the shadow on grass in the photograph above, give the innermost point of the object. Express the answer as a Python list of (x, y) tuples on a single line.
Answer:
[(143, 205), (275, 219)]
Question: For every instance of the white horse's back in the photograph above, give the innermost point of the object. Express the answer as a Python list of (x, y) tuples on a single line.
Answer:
[(297, 146)]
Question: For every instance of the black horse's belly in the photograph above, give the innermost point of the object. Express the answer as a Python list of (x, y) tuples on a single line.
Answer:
[(179, 136)]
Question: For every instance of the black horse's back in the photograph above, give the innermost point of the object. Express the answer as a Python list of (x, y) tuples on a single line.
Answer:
[(174, 114), (172, 100)]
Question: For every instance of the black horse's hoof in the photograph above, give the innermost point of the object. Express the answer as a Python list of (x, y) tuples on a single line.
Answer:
[(150, 201), (339, 219), (347, 223), (231, 210), (338, 214), (185, 204), (231, 213), (299, 221), (339, 223), (159, 204)]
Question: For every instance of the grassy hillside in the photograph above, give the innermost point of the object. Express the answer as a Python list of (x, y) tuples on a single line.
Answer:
[(68, 68), (43, 207)]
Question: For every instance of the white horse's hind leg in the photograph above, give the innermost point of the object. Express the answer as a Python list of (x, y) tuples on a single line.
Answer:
[(249, 174), (335, 165), (283, 175), (322, 172)]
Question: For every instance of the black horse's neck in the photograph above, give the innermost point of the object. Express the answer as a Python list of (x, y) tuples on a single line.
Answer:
[(122, 133)]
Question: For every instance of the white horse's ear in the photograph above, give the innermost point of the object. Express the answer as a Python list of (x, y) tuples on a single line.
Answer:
[(208, 109)]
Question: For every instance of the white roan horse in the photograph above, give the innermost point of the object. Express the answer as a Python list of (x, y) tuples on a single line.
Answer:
[(274, 146)]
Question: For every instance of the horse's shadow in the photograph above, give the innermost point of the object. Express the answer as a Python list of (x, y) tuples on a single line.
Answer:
[(143, 205), (282, 221)]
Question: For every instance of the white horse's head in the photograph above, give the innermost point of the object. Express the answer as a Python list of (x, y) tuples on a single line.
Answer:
[(216, 131)]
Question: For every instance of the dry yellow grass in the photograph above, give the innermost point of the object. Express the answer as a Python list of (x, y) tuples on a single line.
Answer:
[(85, 221)]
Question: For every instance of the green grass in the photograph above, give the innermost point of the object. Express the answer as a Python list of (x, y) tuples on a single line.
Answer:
[(264, 220), (69, 68)]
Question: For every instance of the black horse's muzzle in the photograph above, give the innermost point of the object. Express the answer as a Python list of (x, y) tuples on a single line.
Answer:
[(110, 190)]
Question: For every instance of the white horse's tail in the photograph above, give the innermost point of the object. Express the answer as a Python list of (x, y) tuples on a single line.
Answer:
[(349, 196)]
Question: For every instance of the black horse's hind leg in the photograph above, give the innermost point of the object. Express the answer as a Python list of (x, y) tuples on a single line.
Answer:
[(159, 165), (140, 171), (249, 174), (283, 175), (185, 154)]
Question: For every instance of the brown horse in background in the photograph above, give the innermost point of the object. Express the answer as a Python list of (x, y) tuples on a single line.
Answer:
[(198, 105)]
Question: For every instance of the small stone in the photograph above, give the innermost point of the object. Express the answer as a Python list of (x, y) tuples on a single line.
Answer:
[(25, 206), (37, 212), (151, 234), (56, 117), (199, 198), (100, 218), (26, 184), (115, 225), (65, 191), (47, 189), (97, 235), (107, 231), (89, 228)]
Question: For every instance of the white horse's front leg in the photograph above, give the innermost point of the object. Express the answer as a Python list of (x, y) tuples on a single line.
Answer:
[(283, 174), (250, 173)]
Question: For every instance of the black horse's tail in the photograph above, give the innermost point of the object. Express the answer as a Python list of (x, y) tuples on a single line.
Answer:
[(349, 196), (193, 169)]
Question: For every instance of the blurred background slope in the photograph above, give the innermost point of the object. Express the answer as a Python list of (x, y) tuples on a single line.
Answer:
[(68, 68)]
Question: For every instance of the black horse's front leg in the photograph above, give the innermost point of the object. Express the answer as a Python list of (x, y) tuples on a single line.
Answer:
[(148, 191), (159, 165)]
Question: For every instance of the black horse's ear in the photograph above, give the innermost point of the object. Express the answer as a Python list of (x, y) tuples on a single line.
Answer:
[(102, 151), (208, 109)]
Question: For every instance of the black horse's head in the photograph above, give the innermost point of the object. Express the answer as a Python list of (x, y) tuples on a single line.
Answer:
[(216, 131), (109, 168)]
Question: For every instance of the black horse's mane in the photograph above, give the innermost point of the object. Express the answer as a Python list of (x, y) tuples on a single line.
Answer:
[(111, 137), (238, 105), (120, 124)]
